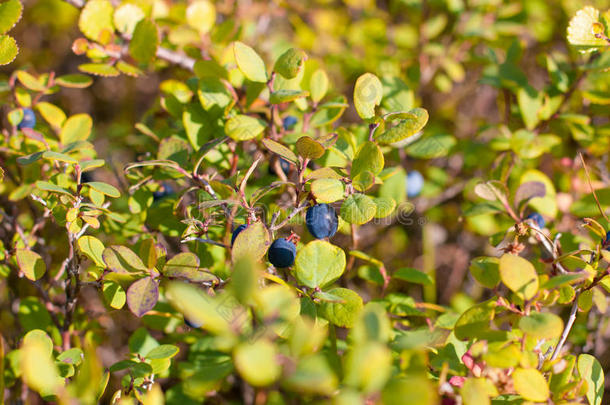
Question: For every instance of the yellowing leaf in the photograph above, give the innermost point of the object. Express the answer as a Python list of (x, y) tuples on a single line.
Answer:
[(10, 14), (581, 29), (8, 49), (201, 15), (126, 17), (367, 94), (31, 264), (530, 384), (519, 275), (249, 62), (96, 19), (76, 128)]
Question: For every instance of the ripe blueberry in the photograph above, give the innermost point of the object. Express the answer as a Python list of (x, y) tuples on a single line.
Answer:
[(415, 182), (282, 253), (29, 119), (289, 122), (192, 324), (322, 221), (166, 190), (236, 232), (538, 219)]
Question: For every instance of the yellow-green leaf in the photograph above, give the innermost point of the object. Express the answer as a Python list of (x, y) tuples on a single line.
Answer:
[(145, 40), (249, 62), (96, 19), (290, 63), (530, 384), (31, 264), (201, 15), (519, 275), (8, 49), (367, 95), (76, 128), (243, 127), (10, 14), (411, 123)]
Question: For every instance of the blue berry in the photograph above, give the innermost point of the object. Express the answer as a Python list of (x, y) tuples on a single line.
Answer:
[(289, 122), (322, 221), (538, 219), (282, 253), (236, 232), (165, 191), (607, 241), (29, 119), (285, 165), (415, 182), (192, 324)]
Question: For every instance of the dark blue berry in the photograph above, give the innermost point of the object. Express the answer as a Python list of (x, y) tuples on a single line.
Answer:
[(192, 324), (285, 165), (282, 253), (165, 191), (236, 232), (322, 221), (538, 219), (29, 119), (415, 182), (289, 122)]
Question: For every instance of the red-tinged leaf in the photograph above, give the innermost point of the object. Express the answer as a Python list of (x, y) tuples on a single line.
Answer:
[(142, 296)]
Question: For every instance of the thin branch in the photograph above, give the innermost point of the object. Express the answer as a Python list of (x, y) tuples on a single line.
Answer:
[(173, 57), (566, 330), (599, 206)]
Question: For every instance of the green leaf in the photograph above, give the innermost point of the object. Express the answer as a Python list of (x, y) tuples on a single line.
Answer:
[(530, 103), (10, 14), (486, 271), (475, 322), (285, 96), (74, 81), (368, 158), (318, 85), (309, 148), (8, 49), (280, 150), (318, 264), (99, 69), (201, 15), (327, 190), (243, 127), (343, 314), (412, 123), (95, 20), (104, 188), (413, 276), (313, 375), (186, 266), (519, 275), (31, 264), (592, 372), (249, 62), (542, 325), (142, 296), (213, 93), (46, 186), (114, 294), (290, 63), (530, 384), (76, 128), (93, 248), (121, 259), (257, 362), (145, 40), (252, 241), (49, 154), (358, 209), (162, 352), (368, 366), (368, 92)]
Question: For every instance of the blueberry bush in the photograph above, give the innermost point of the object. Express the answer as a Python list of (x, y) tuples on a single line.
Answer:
[(330, 202)]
